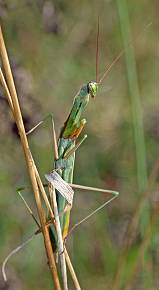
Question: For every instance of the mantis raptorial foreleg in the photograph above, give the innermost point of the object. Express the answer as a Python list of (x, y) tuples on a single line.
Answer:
[(55, 148)]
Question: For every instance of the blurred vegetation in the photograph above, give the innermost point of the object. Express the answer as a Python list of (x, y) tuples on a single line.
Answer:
[(52, 47)]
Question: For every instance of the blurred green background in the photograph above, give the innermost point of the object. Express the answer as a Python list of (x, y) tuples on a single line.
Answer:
[(52, 47)]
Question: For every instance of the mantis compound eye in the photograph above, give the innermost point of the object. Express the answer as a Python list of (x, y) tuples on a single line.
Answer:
[(92, 88)]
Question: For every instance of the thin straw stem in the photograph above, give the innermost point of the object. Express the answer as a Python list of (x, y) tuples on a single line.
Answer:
[(60, 244), (72, 272), (28, 158)]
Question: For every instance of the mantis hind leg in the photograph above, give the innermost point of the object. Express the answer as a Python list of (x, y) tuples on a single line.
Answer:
[(88, 188)]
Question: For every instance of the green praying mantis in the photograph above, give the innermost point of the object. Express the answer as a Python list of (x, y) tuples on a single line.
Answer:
[(62, 175), (60, 180), (67, 145)]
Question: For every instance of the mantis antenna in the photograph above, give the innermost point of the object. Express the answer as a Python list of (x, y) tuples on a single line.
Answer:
[(117, 57), (97, 51)]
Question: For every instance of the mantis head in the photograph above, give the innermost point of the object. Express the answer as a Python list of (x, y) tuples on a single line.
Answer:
[(92, 88)]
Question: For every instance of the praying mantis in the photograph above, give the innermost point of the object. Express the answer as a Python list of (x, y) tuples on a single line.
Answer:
[(64, 152), (60, 181)]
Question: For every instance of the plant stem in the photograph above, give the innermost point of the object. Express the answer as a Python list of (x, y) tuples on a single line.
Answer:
[(135, 96), (29, 161)]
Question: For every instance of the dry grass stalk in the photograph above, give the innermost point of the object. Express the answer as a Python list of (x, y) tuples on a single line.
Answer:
[(72, 271), (68, 260), (60, 244), (14, 104), (39, 182)]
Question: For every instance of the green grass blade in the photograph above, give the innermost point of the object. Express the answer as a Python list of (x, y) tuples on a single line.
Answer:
[(135, 96)]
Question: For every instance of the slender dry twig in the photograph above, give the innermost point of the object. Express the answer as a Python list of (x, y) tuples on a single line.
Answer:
[(60, 243), (3, 81), (72, 271), (68, 260), (44, 195), (40, 184), (28, 158)]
